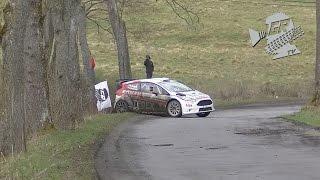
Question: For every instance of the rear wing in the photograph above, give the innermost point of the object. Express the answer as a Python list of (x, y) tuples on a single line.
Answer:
[(120, 81)]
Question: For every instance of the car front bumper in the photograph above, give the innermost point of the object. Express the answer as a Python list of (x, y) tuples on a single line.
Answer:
[(195, 109)]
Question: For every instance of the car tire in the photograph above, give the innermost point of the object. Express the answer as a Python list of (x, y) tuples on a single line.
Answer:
[(122, 106), (204, 114), (174, 108)]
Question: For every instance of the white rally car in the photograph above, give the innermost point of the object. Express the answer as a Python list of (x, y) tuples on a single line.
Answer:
[(161, 95)]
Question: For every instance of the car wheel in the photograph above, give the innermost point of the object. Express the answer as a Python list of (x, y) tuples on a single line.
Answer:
[(122, 106), (204, 114), (174, 108)]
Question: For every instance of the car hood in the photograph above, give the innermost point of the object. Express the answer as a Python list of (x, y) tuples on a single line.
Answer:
[(194, 95)]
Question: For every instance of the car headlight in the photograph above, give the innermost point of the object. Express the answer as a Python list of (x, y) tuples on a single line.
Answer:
[(192, 100), (188, 99)]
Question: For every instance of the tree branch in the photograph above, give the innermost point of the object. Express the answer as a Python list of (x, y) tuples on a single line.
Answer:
[(176, 6), (94, 10), (99, 26)]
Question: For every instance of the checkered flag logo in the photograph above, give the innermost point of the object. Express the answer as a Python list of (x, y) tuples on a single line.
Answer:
[(101, 94)]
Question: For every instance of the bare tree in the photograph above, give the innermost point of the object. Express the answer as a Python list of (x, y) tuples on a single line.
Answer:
[(24, 72), (65, 100), (183, 12), (48, 36), (89, 74), (12, 45), (4, 129), (119, 29), (120, 35), (316, 97), (36, 107)]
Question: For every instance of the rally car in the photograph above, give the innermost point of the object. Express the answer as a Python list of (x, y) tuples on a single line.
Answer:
[(161, 95)]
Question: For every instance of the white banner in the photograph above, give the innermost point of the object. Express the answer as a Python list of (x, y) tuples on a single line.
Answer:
[(103, 96)]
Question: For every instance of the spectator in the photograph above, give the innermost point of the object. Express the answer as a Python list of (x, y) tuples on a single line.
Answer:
[(92, 66), (149, 67), (92, 62)]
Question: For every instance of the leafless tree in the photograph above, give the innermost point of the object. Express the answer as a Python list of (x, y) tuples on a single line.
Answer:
[(183, 12), (36, 104), (89, 74), (12, 45), (119, 29), (120, 35), (48, 36), (316, 97), (65, 100)]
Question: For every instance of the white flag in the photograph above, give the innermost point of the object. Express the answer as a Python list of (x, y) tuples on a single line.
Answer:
[(103, 96)]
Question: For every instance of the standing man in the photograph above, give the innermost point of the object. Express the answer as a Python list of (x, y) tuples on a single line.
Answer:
[(149, 67)]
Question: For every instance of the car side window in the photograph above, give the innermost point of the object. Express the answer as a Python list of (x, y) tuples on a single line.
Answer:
[(162, 91), (145, 87), (151, 88)]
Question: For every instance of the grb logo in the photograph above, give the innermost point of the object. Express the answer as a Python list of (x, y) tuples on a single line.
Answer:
[(101, 94), (280, 34)]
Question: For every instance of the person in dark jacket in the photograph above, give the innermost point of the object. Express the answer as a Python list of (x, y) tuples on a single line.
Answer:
[(149, 67)]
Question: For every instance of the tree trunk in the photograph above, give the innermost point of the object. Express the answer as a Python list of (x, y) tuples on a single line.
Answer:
[(316, 97), (66, 97), (48, 36), (89, 101), (119, 32), (13, 44), (4, 129), (35, 99)]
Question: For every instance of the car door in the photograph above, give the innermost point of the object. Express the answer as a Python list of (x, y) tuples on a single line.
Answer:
[(133, 93), (145, 103), (153, 97), (162, 98)]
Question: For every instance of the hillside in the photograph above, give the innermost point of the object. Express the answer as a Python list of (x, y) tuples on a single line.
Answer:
[(216, 57)]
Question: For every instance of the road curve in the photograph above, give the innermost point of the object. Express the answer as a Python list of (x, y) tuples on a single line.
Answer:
[(242, 144)]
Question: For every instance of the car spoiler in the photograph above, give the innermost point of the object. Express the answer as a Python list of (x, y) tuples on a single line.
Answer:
[(120, 81)]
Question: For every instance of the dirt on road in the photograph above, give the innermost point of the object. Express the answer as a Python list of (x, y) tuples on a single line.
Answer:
[(243, 143)]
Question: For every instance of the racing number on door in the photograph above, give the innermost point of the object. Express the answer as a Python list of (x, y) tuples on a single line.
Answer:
[(145, 105), (148, 101)]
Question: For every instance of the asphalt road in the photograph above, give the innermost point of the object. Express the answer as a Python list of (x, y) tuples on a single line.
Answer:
[(236, 144)]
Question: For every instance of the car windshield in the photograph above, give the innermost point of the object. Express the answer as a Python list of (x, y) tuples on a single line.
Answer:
[(175, 86)]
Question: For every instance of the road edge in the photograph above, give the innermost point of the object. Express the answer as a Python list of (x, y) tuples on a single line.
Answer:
[(107, 153)]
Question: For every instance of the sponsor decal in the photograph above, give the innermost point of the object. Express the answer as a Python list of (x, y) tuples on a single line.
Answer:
[(132, 93), (133, 86)]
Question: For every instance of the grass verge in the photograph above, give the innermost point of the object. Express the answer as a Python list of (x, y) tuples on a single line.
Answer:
[(61, 154), (256, 101), (308, 116)]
